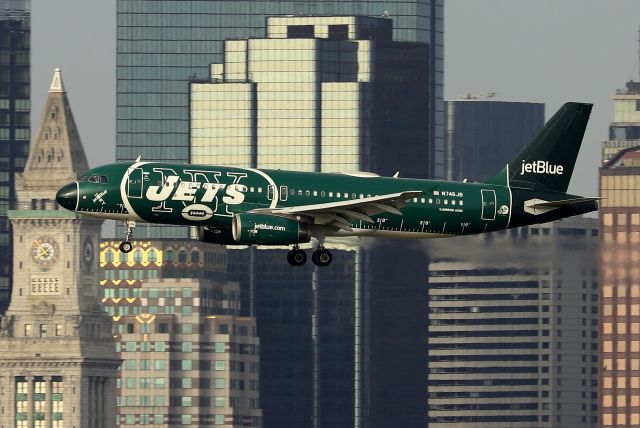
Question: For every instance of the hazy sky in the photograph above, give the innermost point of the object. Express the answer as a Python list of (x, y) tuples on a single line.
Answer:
[(547, 51)]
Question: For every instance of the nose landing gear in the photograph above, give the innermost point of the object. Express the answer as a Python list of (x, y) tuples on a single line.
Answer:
[(126, 246)]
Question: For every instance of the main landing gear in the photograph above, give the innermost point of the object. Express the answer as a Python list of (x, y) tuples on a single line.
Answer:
[(126, 246), (320, 257)]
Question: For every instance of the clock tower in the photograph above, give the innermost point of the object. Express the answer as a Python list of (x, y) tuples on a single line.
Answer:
[(58, 365)]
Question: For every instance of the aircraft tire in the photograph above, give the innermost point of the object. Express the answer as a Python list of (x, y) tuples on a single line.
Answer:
[(126, 247), (297, 257), (322, 257)]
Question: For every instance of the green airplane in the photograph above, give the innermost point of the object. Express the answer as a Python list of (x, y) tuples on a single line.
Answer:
[(231, 205)]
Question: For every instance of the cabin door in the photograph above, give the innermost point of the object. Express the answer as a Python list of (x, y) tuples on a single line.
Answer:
[(488, 205), (134, 184)]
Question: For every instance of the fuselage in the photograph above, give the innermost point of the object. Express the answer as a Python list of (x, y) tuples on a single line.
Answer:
[(200, 195)]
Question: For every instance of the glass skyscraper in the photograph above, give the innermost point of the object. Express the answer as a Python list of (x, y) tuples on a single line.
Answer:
[(163, 45), (15, 32)]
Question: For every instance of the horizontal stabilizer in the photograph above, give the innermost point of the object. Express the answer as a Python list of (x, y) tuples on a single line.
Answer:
[(540, 206)]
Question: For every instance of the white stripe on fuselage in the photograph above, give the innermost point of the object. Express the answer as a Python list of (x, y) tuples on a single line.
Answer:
[(123, 194)]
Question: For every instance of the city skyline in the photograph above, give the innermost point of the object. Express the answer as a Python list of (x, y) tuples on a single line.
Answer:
[(605, 45)]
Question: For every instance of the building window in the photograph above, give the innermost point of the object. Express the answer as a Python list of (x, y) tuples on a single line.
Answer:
[(219, 383), (153, 256), (186, 401), (218, 420), (219, 365), (182, 256), (223, 329), (219, 347), (137, 256), (195, 257), (187, 310), (185, 419), (163, 327), (153, 293), (159, 383), (187, 346), (27, 330), (186, 365), (219, 402), (187, 292), (300, 32), (58, 329), (168, 255), (159, 346), (186, 382), (43, 330)]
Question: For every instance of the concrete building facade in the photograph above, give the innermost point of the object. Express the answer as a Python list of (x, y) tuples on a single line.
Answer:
[(15, 122), (189, 358), (58, 365), (326, 94), (619, 181), (513, 328)]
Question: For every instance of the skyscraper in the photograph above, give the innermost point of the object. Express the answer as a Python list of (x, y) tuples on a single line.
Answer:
[(484, 135), (15, 60), (163, 45), (619, 256), (513, 328), (58, 363), (329, 94)]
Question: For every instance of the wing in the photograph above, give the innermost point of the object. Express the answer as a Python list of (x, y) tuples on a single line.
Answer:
[(341, 214)]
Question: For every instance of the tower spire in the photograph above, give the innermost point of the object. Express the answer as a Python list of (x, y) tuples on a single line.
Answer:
[(56, 84)]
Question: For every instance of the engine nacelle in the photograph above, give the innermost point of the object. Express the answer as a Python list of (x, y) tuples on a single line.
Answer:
[(265, 229), (215, 235)]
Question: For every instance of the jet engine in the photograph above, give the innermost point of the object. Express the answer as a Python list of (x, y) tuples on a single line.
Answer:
[(215, 235), (266, 229)]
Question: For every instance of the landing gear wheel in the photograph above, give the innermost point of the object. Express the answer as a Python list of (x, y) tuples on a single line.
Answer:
[(126, 246), (297, 257), (322, 257)]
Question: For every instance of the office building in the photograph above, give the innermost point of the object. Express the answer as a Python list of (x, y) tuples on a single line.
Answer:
[(58, 365), (189, 358), (163, 45), (15, 107), (328, 94), (483, 135), (620, 292), (513, 328)]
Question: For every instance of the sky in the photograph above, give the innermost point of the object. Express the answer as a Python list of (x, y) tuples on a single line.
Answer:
[(546, 51)]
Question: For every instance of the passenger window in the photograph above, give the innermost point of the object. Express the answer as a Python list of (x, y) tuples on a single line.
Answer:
[(104, 179), (322, 193), (283, 193), (94, 179), (299, 192), (307, 193)]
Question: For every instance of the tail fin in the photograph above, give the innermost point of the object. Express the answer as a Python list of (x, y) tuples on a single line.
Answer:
[(547, 162)]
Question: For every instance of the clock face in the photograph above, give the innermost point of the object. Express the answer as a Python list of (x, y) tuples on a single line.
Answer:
[(87, 252), (45, 251)]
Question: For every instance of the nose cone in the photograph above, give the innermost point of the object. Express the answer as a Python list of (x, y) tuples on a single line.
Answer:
[(67, 196)]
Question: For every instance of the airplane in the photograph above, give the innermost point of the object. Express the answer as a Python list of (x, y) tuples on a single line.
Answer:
[(248, 206)]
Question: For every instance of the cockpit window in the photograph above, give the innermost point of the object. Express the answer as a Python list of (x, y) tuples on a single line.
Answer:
[(104, 179), (94, 179), (83, 178)]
